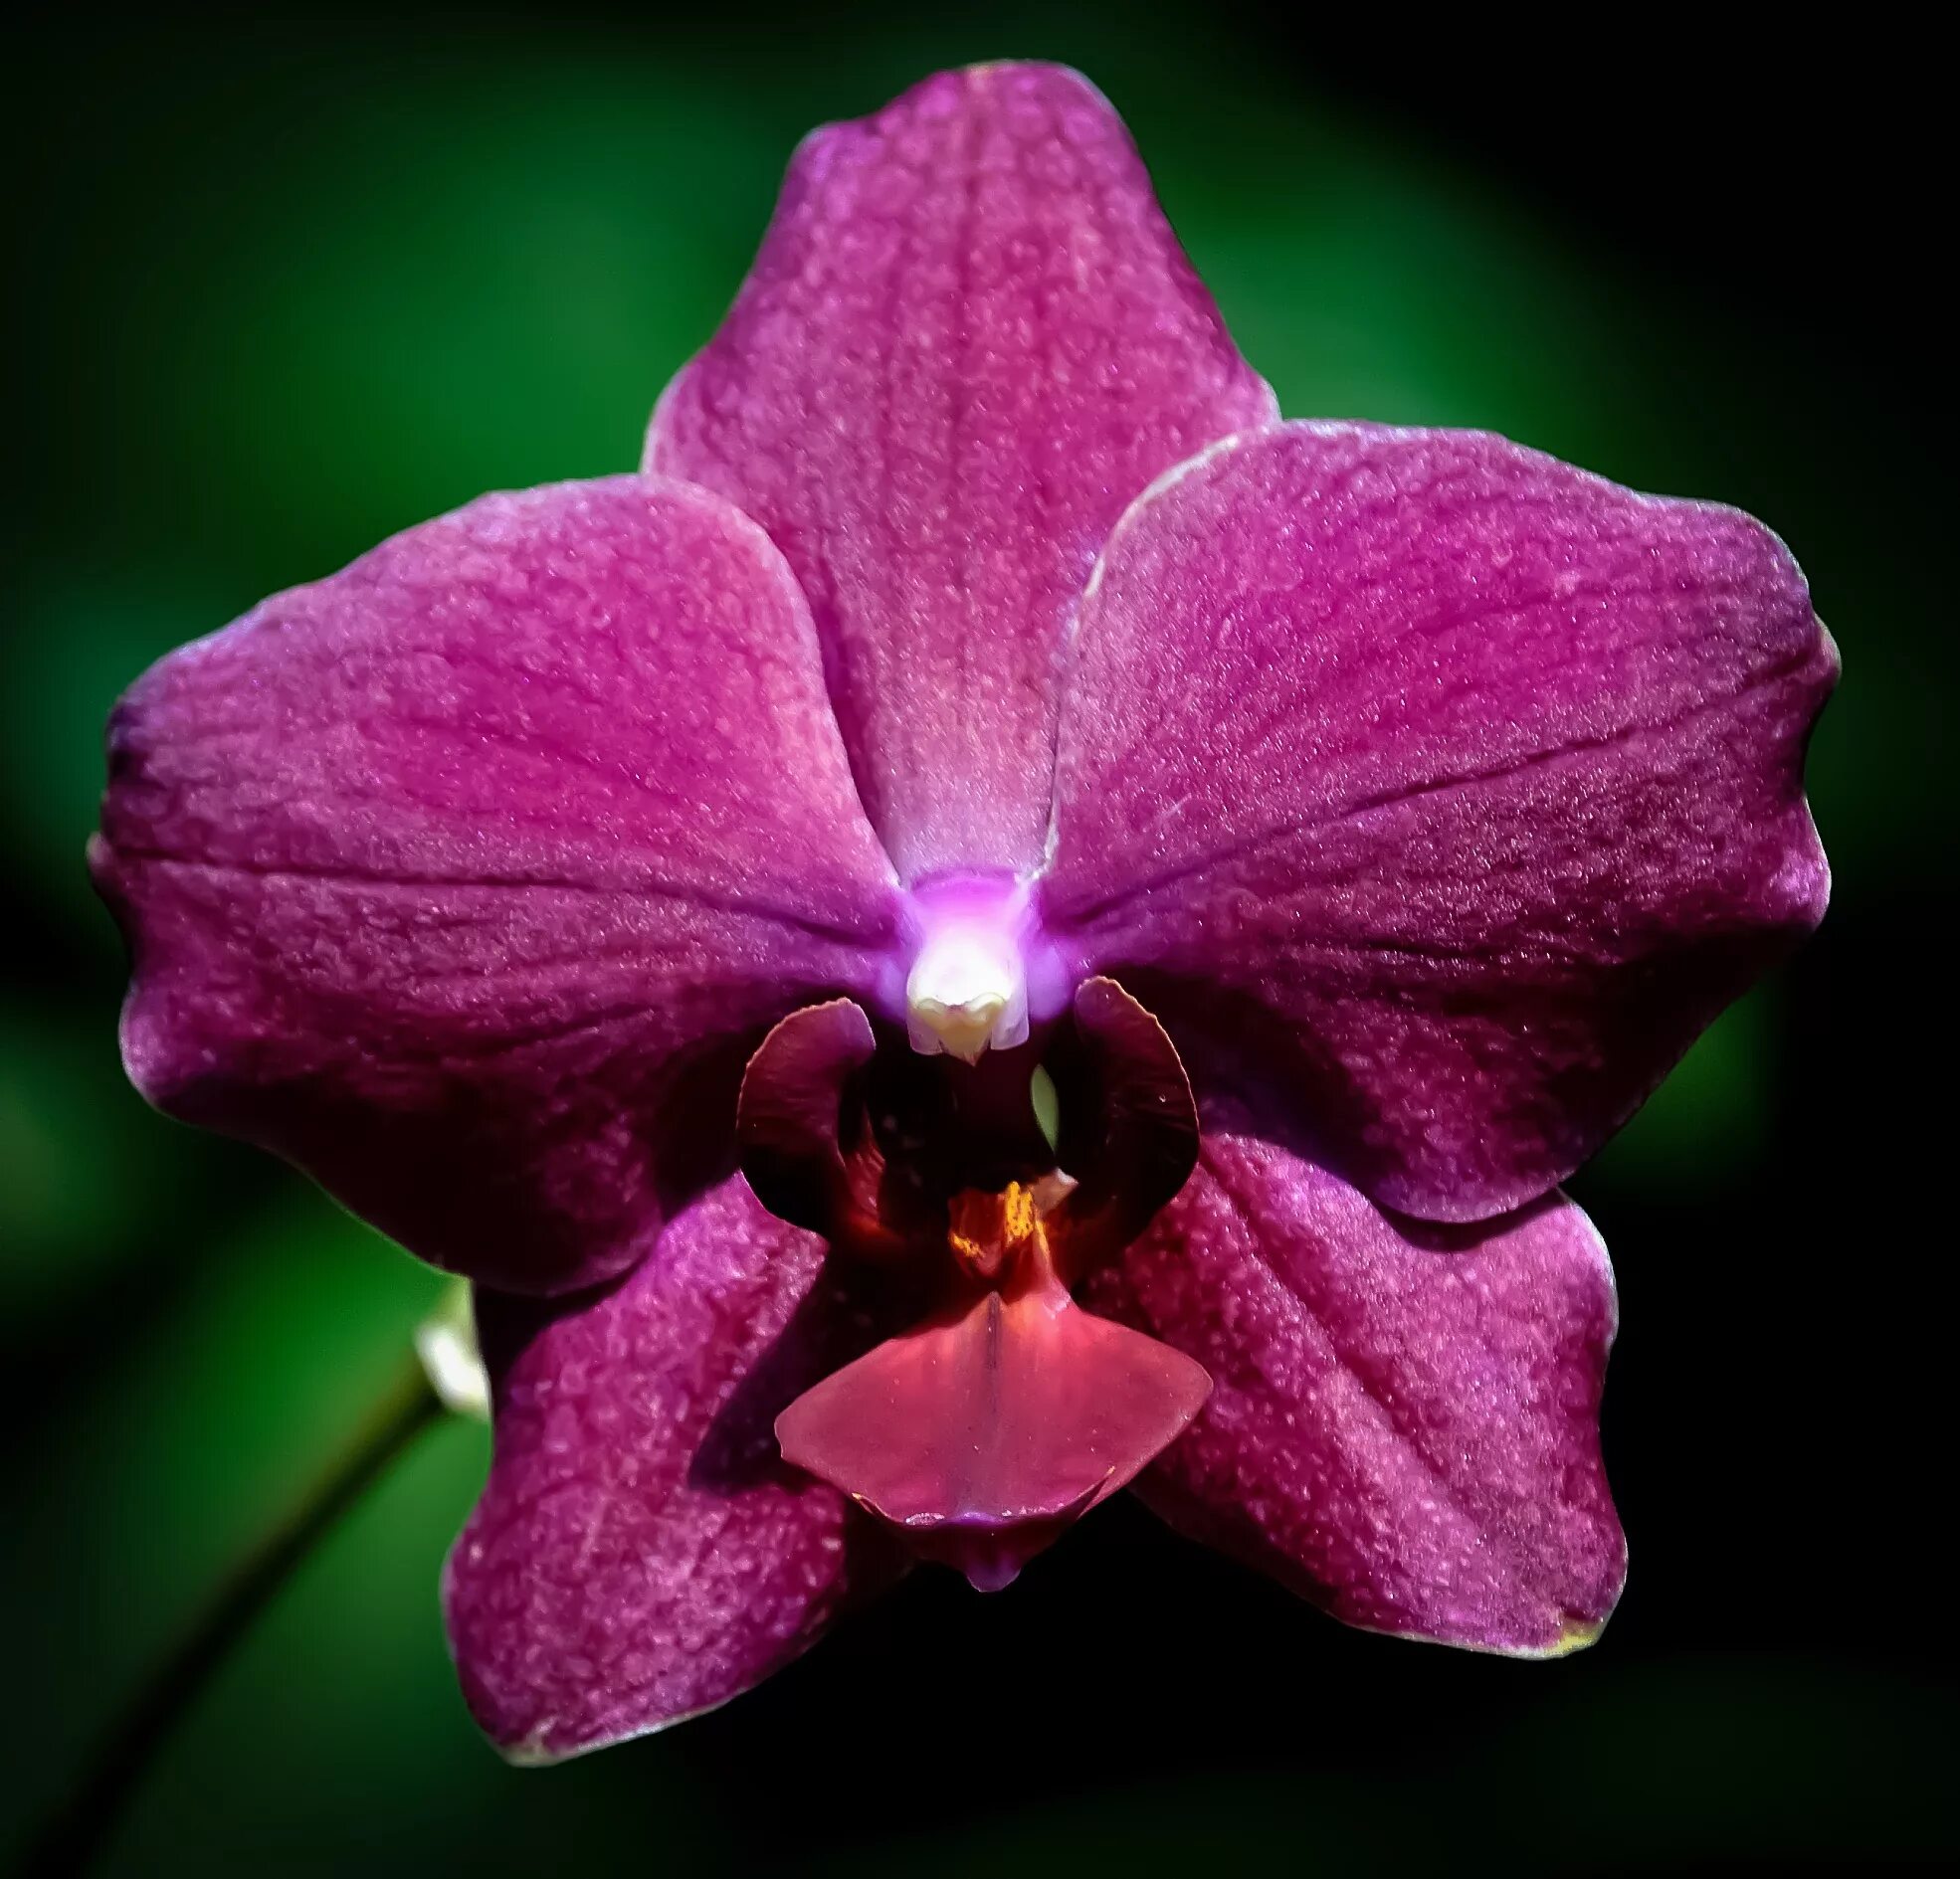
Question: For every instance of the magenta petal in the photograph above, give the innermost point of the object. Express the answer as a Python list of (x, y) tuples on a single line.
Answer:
[(468, 877), (970, 338), (982, 1434), (640, 1553), (1435, 794), (1404, 1421)]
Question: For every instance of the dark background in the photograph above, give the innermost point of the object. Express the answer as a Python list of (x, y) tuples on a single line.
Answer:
[(283, 287)]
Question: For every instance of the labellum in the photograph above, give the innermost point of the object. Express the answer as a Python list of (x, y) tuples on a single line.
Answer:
[(1006, 1411)]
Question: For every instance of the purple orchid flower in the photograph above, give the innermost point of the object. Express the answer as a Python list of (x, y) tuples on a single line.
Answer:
[(653, 897)]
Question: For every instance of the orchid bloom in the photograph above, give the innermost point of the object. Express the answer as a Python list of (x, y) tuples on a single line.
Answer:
[(654, 897)]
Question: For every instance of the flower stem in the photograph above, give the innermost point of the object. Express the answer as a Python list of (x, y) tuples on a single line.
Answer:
[(76, 1836)]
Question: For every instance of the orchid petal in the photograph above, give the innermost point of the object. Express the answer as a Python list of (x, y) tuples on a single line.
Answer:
[(640, 1553), (467, 878), (1403, 1423), (1434, 795), (969, 339)]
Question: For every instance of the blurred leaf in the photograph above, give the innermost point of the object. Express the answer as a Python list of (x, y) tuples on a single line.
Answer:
[(1708, 1126), (88, 1172), (147, 1481), (82, 636)]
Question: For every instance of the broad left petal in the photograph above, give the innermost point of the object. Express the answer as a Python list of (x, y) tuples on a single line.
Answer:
[(1434, 795), (468, 877), (641, 1552), (969, 339), (1404, 1419)]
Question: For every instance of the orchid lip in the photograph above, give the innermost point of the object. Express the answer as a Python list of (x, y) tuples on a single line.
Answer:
[(984, 1432), (981, 1434)]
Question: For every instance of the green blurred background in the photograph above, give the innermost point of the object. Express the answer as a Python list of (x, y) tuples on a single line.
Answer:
[(282, 288)]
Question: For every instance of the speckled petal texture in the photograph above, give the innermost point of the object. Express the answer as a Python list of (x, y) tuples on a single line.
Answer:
[(1403, 1423), (467, 878), (1435, 794), (641, 1552), (970, 338)]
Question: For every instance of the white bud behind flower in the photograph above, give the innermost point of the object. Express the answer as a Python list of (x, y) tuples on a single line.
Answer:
[(446, 1342)]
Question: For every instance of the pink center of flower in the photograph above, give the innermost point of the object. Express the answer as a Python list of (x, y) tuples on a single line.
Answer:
[(981, 967)]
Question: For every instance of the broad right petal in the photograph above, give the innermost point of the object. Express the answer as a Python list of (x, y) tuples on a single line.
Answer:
[(1434, 795), (468, 877)]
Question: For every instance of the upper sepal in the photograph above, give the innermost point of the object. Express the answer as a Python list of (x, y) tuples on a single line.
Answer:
[(970, 338)]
